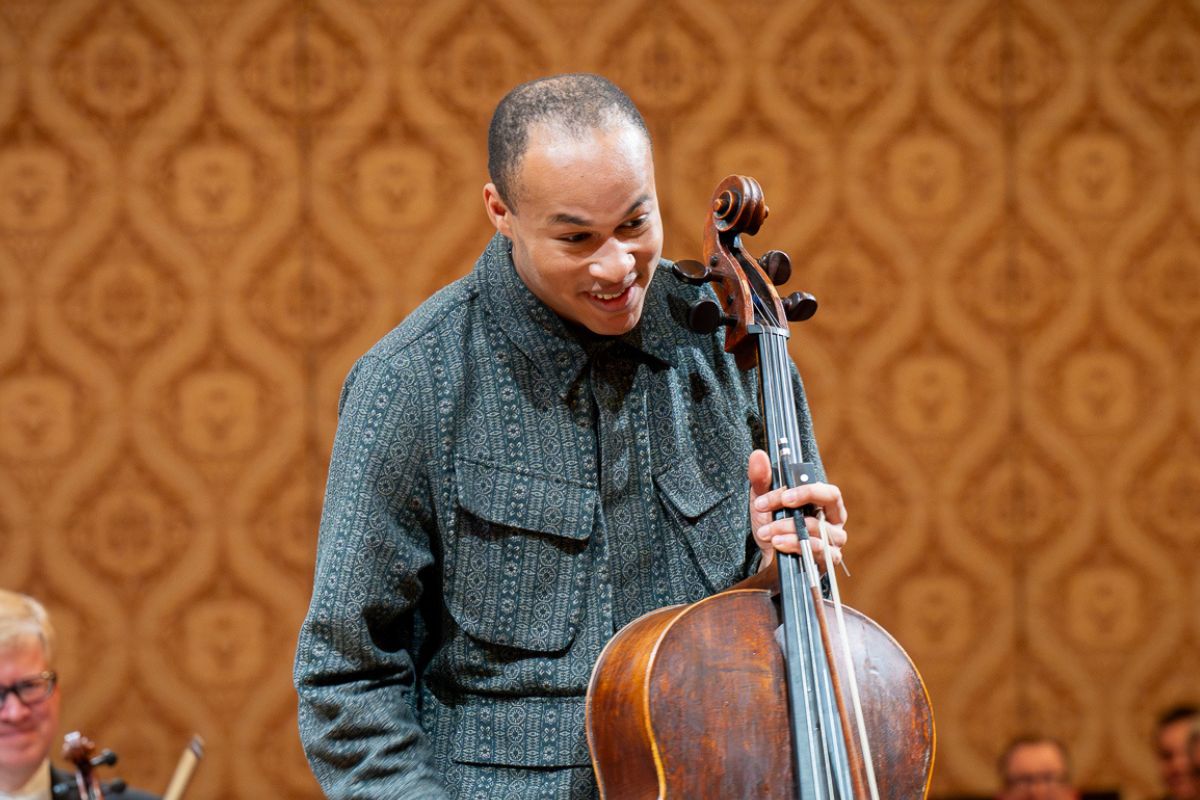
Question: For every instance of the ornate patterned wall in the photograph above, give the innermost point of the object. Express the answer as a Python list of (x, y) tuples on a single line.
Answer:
[(208, 208)]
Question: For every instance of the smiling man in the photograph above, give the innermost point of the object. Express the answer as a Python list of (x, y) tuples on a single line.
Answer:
[(536, 457), (588, 237), (29, 707), (1036, 768)]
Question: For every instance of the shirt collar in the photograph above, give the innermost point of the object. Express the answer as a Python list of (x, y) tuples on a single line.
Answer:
[(561, 349)]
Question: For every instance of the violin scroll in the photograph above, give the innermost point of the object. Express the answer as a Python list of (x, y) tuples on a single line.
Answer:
[(81, 751)]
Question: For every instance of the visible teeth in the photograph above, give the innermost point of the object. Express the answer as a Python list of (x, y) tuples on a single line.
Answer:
[(608, 296)]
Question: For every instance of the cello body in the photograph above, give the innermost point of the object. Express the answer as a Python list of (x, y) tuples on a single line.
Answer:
[(687, 702)]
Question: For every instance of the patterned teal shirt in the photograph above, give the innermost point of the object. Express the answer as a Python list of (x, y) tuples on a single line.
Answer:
[(506, 492)]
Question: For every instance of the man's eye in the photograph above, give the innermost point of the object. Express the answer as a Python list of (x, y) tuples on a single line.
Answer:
[(573, 238), (637, 222)]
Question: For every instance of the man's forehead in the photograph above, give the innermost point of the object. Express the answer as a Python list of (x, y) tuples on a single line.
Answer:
[(583, 220), (585, 179), (22, 649), (561, 146), (1036, 751)]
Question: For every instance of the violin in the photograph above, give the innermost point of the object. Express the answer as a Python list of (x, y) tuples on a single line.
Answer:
[(81, 751), (767, 689)]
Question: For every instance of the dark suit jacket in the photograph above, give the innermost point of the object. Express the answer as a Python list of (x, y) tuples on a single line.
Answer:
[(63, 787)]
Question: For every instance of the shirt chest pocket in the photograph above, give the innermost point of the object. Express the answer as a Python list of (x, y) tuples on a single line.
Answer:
[(712, 519), (514, 571)]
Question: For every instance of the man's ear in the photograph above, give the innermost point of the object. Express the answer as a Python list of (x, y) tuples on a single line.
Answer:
[(497, 210)]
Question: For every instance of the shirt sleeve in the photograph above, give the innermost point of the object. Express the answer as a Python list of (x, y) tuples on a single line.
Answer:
[(354, 669)]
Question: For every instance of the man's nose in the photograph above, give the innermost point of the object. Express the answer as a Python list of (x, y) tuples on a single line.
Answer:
[(612, 262), (12, 709)]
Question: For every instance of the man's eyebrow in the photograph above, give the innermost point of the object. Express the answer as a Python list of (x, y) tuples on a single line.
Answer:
[(568, 219), (571, 219)]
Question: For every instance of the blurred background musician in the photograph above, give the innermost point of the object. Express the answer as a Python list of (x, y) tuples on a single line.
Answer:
[(29, 708), (1174, 766), (1036, 768)]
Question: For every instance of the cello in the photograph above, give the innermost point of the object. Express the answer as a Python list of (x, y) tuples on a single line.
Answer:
[(767, 689)]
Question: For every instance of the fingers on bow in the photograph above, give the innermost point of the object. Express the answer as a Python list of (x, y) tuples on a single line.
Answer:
[(781, 535), (824, 495)]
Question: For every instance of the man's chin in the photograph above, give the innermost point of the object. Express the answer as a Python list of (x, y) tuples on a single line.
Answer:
[(21, 752), (614, 327), (614, 324)]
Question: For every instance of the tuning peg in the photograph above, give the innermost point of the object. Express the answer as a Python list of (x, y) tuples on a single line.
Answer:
[(692, 272), (706, 316), (799, 306), (777, 265)]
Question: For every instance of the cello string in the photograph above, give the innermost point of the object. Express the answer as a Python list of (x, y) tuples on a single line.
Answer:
[(823, 778), (835, 742), (797, 623), (774, 365), (796, 632), (835, 759)]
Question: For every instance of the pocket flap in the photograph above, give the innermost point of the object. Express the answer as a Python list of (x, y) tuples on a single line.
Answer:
[(518, 499), (692, 493)]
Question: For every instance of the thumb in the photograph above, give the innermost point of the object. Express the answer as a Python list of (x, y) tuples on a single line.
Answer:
[(759, 473)]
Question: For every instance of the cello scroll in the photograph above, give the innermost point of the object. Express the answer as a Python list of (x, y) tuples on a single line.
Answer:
[(81, 751)]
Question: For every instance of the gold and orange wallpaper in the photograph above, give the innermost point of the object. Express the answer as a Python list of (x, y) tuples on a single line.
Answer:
[(209, 208)]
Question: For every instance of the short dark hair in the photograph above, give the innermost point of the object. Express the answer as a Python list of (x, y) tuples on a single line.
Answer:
[(575, 103), (1177, 714), (1030, 740)]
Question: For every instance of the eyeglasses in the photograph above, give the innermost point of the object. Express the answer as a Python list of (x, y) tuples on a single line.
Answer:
[(32, 690), (1038, 779)]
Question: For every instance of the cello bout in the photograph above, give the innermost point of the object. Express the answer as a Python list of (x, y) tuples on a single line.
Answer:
[(688, 702)]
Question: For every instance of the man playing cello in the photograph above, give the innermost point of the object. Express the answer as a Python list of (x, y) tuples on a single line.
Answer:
[(537, 456)]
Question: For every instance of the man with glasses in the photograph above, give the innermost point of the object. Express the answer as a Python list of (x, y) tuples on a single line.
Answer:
[(1036, 768), (29, 706)]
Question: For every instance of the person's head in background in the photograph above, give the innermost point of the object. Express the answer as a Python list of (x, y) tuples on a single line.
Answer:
[(1194, 751), (29, 705), (1171, 740), (1036, 768)]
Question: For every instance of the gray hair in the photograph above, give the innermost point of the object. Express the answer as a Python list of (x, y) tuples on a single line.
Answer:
[(23, 619)]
